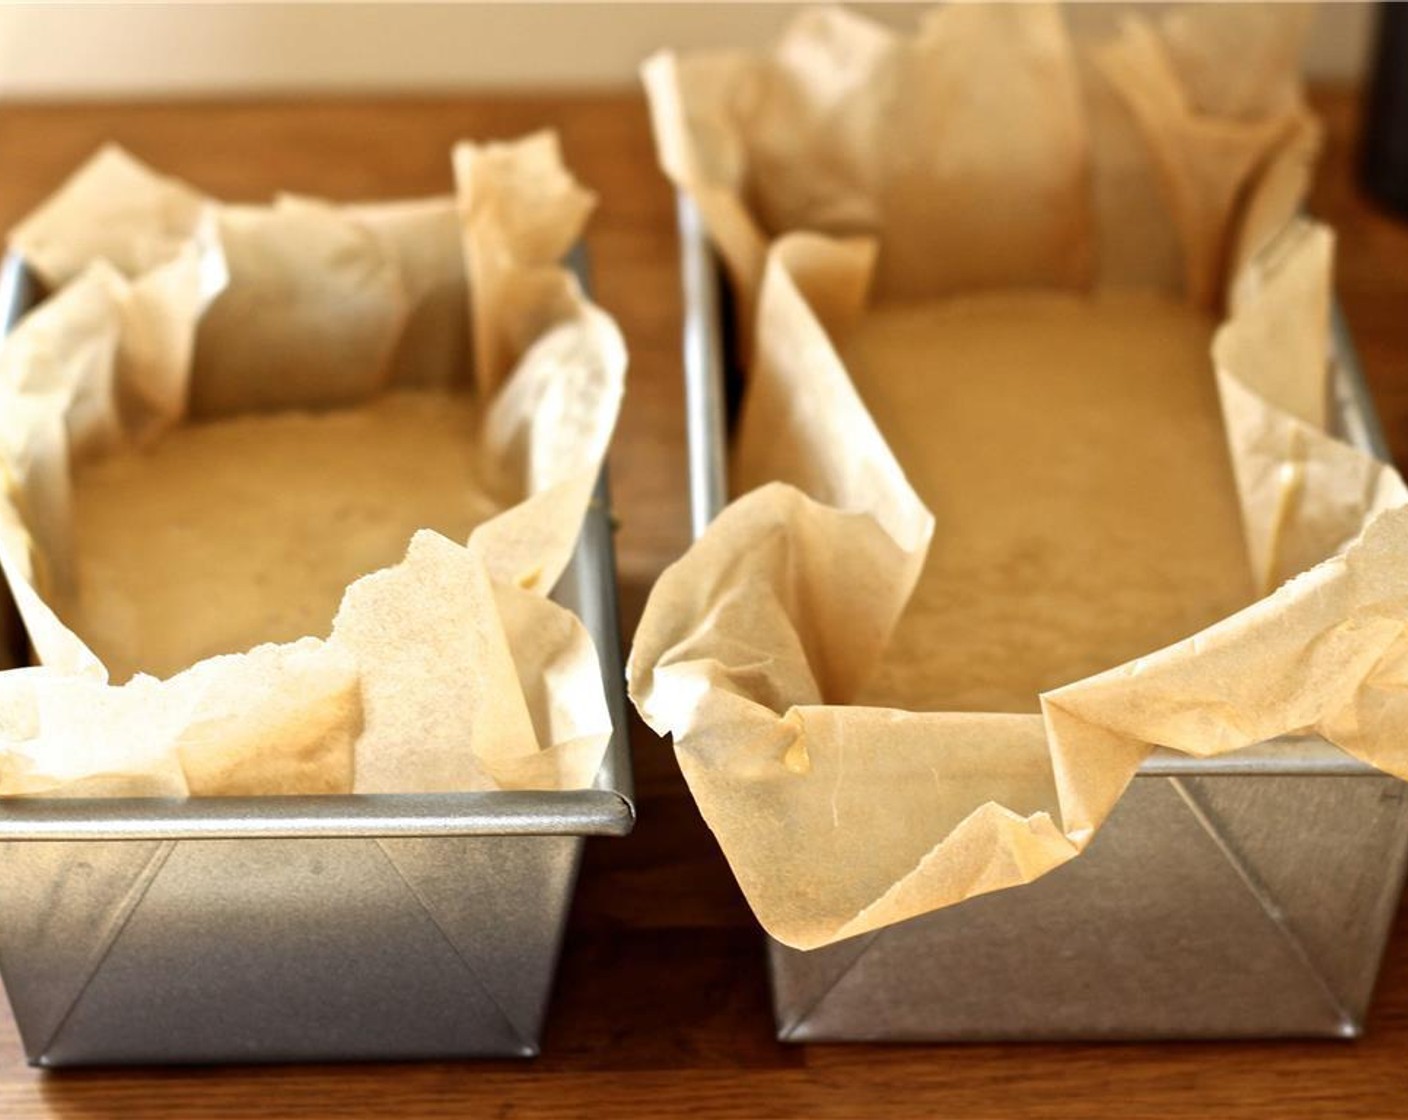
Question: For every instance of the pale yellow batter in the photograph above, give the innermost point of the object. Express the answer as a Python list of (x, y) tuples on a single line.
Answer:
[(231, 533), (1073, 454)]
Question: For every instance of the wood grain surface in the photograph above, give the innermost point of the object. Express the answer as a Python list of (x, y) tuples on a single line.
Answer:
[(661, 1006)]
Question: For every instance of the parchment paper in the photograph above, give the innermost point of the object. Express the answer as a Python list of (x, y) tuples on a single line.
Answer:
[(839, 819), (448, 671)]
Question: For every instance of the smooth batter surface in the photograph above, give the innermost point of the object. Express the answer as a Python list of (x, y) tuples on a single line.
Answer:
[(1073, 454), (231, 533)]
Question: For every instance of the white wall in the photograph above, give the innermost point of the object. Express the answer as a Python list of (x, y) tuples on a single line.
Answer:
[(58, 50)]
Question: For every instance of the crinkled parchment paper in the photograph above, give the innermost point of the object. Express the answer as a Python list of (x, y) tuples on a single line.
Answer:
[(448, 671), (1003, 146)]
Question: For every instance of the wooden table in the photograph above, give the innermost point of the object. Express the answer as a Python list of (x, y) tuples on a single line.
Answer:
[(661, 1007)]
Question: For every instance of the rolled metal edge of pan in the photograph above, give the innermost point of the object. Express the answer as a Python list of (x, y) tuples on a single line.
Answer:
[(705, 411)]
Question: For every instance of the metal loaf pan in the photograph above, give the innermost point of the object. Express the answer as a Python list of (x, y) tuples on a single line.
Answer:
[(275, 929), (1249, 895)]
